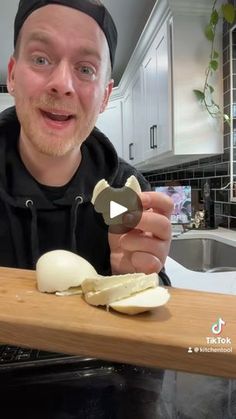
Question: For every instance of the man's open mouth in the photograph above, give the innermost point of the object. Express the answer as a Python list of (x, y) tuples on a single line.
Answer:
[(54, 116)]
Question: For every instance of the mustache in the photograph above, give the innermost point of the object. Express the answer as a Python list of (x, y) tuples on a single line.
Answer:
[(51, 103)]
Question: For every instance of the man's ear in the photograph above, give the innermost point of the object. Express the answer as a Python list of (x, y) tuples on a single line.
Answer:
[(107, 94), (11, 75)]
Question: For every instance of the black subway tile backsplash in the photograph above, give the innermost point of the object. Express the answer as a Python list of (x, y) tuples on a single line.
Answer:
[(216, 183), (222, 195), (232, 223), (225, 182), (226, 54), (226, 141), (219, 208), (189, 174), (232, 211), (217, 170), (225, 40), (198, 173), (3, 88), (226, 209), (222, 169), (226, 155), (209, 172), (223, 221), (181, 174), (226, 98), (194, 183), (226, 69), (226, 83)]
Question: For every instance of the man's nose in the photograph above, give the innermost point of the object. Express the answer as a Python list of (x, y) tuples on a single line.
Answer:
[(61, 80)]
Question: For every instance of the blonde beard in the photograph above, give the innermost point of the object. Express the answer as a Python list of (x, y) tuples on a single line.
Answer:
[(55, 146)]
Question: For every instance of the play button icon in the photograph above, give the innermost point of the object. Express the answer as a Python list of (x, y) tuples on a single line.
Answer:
[(116, 209), (121, 209)]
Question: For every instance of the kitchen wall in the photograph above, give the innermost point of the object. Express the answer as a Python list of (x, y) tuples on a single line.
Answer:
[(216, 169)]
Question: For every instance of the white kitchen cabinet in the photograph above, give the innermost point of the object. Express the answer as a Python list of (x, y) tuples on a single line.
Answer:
[(194, 131), (6, 101), (128, 136), (169, 125), (110, 123), (157, 97), (178, 128), (133, 127)]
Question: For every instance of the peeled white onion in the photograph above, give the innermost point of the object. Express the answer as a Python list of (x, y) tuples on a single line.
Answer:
[(59, 270)]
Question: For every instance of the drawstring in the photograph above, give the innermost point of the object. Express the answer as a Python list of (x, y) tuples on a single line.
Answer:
[(74, 216), (34, 231), (17, 236)]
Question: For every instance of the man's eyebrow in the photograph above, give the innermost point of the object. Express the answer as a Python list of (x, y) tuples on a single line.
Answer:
[(39, 36), (45, 39), (90, 52)]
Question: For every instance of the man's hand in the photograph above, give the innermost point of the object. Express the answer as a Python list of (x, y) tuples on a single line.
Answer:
[(145, 248)]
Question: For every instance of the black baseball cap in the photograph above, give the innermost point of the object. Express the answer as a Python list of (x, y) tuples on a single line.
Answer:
[(93, 8)]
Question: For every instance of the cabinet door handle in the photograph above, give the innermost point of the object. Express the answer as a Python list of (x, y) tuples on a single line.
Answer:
[(131, 145), (154, 142), (151, 137)]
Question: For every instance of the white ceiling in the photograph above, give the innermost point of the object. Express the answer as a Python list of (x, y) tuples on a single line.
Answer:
[(130, 17)]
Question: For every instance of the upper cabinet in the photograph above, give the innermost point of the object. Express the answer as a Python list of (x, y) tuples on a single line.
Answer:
[(157, 97), (178, 129), (194, 130), (162, 121), (110, 123), (133, 126)]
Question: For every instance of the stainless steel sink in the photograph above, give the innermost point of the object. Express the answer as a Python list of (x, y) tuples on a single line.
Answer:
[(203, 255)]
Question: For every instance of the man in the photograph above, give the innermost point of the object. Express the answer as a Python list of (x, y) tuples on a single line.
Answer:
[(51, 156)]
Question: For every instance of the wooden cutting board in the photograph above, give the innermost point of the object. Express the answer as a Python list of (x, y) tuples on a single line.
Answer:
[(160, 338)]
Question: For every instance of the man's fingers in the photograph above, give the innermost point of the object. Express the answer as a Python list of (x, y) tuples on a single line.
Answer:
[(157, 224), (158, 201), (136, 241), (145, 247), (144, 262)]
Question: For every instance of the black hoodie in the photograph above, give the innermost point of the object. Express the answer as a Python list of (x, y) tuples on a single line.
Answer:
[(35, 219)]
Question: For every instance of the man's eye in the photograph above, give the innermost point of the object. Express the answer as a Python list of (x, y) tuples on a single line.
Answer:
[(87, 71), (40, 61)]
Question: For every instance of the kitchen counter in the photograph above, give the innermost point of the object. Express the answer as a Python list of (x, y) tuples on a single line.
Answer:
[(164, 338), (224, 235), (218, 282)]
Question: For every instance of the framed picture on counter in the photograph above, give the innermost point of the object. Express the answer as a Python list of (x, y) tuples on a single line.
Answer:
[(181, 196)]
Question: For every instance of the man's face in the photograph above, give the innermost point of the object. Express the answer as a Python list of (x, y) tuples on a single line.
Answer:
[(60, 78)]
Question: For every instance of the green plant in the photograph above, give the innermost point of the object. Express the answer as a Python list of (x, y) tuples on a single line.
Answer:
[(226, 12)]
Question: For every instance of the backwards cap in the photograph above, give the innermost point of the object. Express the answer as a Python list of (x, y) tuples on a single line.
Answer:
[(93, 8)]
